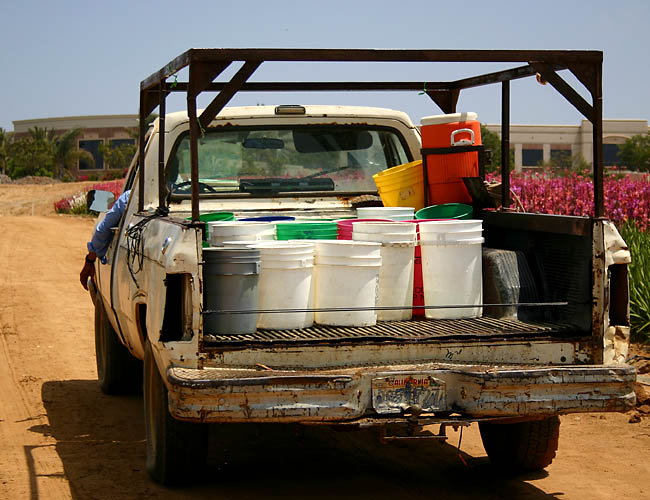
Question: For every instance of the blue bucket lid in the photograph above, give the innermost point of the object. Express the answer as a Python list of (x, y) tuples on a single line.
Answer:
[(269, 218)]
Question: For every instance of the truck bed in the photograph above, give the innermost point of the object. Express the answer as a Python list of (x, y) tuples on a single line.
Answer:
[(403, 331)]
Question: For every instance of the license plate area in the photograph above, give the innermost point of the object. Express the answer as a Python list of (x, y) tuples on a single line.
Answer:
[(398, 392)]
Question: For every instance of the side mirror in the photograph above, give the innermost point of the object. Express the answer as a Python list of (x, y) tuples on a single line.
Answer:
[(98, 201)]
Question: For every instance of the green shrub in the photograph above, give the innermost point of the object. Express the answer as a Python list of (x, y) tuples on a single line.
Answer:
[(79, 208), (639, 274)]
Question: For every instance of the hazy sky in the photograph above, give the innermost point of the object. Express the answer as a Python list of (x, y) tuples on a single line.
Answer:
[(87, 58)]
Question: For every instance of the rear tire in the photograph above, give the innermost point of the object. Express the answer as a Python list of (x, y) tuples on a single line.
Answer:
[(176, 450), (118, 372), (522, 446)]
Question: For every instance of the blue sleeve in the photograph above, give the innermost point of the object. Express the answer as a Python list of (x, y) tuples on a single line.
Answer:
[(103, 235)]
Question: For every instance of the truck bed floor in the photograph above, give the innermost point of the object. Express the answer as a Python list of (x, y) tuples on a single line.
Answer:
[(412, 330)]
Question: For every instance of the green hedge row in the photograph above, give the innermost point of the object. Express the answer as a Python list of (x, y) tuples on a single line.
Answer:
[(639, 275)]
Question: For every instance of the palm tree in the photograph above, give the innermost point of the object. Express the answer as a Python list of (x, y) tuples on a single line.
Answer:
[(5, 139), (43, 135), (42, 149), (67, 154)]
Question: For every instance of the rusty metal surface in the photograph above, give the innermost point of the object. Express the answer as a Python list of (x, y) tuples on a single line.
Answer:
[(162, 107), (322, 357), (599, 292), (494, 392), (549, 391), (169, 69), (263, 375), (617, 300), (485, 328), (142, 130)]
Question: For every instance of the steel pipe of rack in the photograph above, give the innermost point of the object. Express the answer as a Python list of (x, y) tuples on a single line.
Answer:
[(194, 154), (141, 134), (597, 96), (505, 144), (377, 308), (161, 146)]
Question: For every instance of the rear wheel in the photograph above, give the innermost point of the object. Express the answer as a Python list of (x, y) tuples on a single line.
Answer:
[(176, 450), (522, 446), (118, 372)]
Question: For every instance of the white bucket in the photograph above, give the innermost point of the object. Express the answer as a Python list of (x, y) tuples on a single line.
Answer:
[(279, 248), (451, 230), (282, 254), (346, 248), (240, 230), (347, 261), (392, 213), (451, 237), (450, 226), (384, 227), (240, 243), (383, 238), (396, 273), (241, 239), (286, 282), (452, 275), (346, 274)]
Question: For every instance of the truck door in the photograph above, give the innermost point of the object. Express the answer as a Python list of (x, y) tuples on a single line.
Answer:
[(124, 289)]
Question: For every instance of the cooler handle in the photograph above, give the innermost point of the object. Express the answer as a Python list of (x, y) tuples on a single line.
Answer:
[(462, 142)]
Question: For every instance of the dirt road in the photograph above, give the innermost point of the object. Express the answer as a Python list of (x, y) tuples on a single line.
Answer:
[(60, 437)]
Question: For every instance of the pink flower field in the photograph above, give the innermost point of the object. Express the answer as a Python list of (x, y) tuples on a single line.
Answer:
[(625, 198)]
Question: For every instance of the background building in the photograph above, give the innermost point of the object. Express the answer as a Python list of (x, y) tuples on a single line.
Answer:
[(532, 144), (535, 144), (111, 130)]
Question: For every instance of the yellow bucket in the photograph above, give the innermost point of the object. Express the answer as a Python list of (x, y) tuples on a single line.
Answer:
[(401, 186)]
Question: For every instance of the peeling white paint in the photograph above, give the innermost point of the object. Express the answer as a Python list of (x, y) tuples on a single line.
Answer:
[(616, 338), (616, 250)]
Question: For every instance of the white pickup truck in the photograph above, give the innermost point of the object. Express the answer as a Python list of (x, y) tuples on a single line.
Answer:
[(512, 372)]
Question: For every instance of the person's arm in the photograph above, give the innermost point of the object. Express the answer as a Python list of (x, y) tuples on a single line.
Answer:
[(102, 237)]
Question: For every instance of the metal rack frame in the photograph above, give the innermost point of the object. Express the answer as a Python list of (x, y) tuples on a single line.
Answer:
[(205, 65)]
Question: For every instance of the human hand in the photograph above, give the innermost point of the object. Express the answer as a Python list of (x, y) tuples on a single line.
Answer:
[(88, 271)]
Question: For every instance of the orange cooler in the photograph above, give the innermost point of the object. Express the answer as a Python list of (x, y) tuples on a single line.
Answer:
[(445, 172)]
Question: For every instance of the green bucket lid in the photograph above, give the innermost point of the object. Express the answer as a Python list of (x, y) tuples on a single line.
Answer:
[(445, 211), (214, 217), (308, 237), (306, 230), (306, 226)]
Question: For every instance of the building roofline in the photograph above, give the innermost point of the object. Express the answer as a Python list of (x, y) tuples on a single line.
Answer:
[(80, 117), (545, 125)]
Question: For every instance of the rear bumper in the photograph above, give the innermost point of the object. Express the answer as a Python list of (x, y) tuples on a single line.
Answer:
[(226, 395)]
